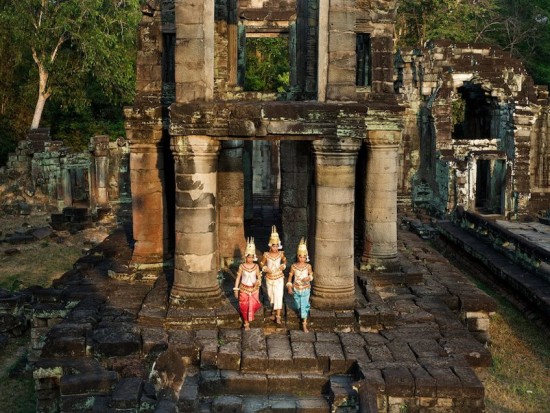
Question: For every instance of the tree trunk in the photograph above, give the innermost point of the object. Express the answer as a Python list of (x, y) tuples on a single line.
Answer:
[(43, 96)]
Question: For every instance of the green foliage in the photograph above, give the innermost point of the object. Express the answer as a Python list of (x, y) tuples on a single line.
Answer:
[(519, 26), (524, 30), (422, 20), (69, 41), (267, 65)]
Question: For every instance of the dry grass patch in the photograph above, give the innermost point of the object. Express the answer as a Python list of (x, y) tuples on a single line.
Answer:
[(519, 381), (37, 264)]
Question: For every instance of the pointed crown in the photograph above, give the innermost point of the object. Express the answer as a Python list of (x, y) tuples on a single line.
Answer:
[(302, 249), (250, 248), (274, 238)]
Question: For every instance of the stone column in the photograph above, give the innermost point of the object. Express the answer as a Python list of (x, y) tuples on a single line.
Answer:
[(196, 258), (333, 264), (231, 202), (100, 150), (150, 226), (194, 54), (380, 249)]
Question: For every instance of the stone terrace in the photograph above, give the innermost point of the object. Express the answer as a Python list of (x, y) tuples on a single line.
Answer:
[(106, 339)]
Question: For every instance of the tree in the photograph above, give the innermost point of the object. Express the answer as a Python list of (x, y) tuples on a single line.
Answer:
[(68, 40), (457, 20), (524, 30), (267, 65)]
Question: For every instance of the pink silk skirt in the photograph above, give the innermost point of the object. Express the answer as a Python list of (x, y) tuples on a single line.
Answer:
[(249, 303)]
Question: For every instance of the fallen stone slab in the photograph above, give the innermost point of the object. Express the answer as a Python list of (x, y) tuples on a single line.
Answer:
[(41, 233)]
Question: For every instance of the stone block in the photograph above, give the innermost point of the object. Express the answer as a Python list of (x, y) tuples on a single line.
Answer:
[(471, 385), (229, 356), (313, 384), (76, 403), (154, 340), (117, 340), (425, 384), (188, 398), (333, 352), (368, 317), (448, 384), (127, 393), (227, 404), (401, 351), (279, 354), (284, 383), (254, 361), (254, 339), (399, 382), (303, 354), (64, 346), (209, 354), (88, 383), (312, 405), (379, 353), (183, 342), (210, 382), (244, 383)]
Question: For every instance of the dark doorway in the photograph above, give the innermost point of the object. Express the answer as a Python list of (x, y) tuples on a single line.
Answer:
[(490, 186)]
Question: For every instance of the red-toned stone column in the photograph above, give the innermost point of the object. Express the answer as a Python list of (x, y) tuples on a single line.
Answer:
[(380, 249), (196, 259), (334, 285), (150, 226), (231, 202)]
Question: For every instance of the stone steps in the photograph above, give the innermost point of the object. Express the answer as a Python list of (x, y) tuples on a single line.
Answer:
[(533, 288), (265, 404)]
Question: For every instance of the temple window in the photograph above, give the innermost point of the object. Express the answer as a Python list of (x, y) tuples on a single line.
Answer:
[(363, 76)]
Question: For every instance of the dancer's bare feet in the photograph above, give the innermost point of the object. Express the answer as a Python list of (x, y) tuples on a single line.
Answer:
[(304, 326), (246, 326)]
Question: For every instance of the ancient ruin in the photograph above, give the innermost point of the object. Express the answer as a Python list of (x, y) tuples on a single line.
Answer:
[(45, 176), (148, 321)]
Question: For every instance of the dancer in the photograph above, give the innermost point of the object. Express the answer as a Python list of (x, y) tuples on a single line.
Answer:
[(300, 277), (247, 285), (273, 264)]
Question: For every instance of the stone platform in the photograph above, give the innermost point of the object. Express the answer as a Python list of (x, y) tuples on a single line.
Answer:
[(107, 339)]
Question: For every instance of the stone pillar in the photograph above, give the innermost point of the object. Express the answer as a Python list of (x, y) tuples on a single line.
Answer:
[(380, 247), (231, 202), (150, 226), (196, 258), (333, 263), (100, 150), (194, 54)]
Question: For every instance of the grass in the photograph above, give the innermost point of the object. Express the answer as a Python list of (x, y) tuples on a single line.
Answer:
[(38, 264), (519, 380), (16, 383)]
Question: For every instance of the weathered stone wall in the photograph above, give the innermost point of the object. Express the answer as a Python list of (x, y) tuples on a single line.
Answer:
[(50, 177), (472, 103)]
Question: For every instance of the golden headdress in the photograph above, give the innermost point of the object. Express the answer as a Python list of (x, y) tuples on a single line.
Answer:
[(274, 238), (302, 249), (250, 248)]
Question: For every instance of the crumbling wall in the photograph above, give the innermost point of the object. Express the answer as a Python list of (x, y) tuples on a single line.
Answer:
[(473, 104), (43, 175)]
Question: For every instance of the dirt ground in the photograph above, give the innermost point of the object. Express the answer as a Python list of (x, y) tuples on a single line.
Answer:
[(40, 261)]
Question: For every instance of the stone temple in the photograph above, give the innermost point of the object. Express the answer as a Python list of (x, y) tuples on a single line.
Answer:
[(361, 131)]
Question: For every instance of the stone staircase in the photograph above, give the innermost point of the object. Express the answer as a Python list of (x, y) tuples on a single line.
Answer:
[(106, 341)]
